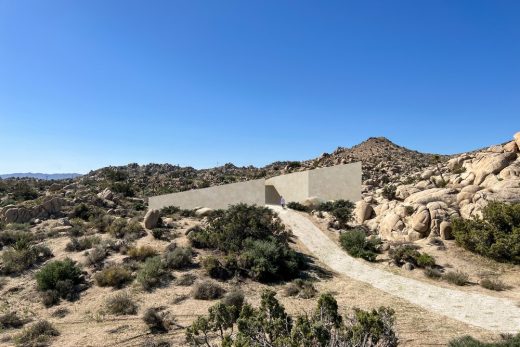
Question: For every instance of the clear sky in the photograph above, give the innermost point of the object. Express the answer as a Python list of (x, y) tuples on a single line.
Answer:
[(90, 83)]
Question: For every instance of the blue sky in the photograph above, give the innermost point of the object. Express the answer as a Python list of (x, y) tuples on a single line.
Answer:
[(85, 84)]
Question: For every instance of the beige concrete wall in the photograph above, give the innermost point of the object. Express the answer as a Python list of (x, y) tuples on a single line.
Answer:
[(250, 192), (293, 186), (336, 182)]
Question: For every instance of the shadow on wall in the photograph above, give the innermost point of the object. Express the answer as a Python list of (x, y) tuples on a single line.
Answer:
[(272, 197)]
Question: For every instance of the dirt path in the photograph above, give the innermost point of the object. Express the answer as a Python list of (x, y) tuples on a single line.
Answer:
[(490, 313)]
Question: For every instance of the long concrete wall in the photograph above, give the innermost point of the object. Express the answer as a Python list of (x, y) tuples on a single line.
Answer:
[(336, 182), (249, 192), (293, 187)]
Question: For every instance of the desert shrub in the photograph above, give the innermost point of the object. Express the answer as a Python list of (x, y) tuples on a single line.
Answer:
[(151, 274), (408, 253), (150, 342), (207, 290), (300, 288), (122, 228), (22, 257), (178, 258), (492, 284), (234, 298), (269, 260), (161, 234), (186, 280), (121, 304), (252, 237), (96, 256), (389, 191), (81, 244), (496, 235), (341, 210), (38, 334), (468, 341), (116, 276), (456, 277), (11, 237), (124, 188), (358, 245), (22, 191), (61, 277), (141, 253), (297, 206), (11, 320), (432, 273), (270, 325), (3, 282), (101, 222), (155, 320), (85, 212)]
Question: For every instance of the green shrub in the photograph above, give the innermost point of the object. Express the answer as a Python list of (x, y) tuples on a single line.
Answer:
[(101, 222), (178, 258), (141, 253), (61, 276), (38, 334), (270, 325), (121, 304), (161, 234), (96, 256), (251, 237), (116, 276), (492, 284), (207, 290), (18, 259), (358, 245), (408, 253), (86, 212), (11, 237), (468, 341), (456, 277), (81, 244), (151, 274), (389, 192), (297, 206), (341, 210), (121, 228), (496, 236), (234, 298)]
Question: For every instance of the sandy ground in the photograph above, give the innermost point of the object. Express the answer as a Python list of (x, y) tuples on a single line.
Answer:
[(87, 323), (484, 311)]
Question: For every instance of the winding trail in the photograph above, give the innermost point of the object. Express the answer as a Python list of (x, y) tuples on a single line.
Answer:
[(487, 312)]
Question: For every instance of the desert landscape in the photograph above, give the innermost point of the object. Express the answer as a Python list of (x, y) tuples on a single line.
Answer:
[(85, 262)]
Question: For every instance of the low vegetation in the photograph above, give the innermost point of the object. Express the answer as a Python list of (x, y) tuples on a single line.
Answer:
[(468, 341), (496, 235), (121, 304), (152, 273), (22, 256), (340, 209), (301, 288), (493, 284), (178, 258), (116, 276), (358, 245), (38, 334), (58, 279), (293, 205), (456, 277), (408, 253), (253, 241), (270, 325), (207, 290)]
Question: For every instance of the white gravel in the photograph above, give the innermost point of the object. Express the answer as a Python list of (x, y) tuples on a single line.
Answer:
[(490, 313)]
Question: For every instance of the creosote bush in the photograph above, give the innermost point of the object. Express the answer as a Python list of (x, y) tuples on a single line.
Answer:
[(23, 256), (408, 253), (301, 288), (141, 253), (207, 290), (496, 235), (270, 325), (38, 334), (178, 258), (493, 284), (186, 280), (116, 276), (155, 320), (358, 245), (253, 242), (81, 244), (432, 273), (456, 277), (121, 304), (11, 320), (59, 279), (152, 273), (122, 228)]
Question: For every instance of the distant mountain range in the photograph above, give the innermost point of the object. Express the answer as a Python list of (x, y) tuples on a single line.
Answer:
[(41, 176)]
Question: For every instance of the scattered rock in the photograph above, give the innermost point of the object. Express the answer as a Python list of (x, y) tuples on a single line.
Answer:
[(151, 219)]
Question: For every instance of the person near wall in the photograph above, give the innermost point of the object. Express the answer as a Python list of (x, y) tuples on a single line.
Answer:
[(282, 202)]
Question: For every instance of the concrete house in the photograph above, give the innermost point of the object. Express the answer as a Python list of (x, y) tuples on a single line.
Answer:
[(329, 183)]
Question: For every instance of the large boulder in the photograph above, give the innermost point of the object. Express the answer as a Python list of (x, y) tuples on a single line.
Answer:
[(511, 147), (391, 223), (151, 219), (445, 230), (106, 194), (424, 197), (491, 164), (421, 220), (517, 139), (203, 212), (312, 202), (17, 215), (363, 211)]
